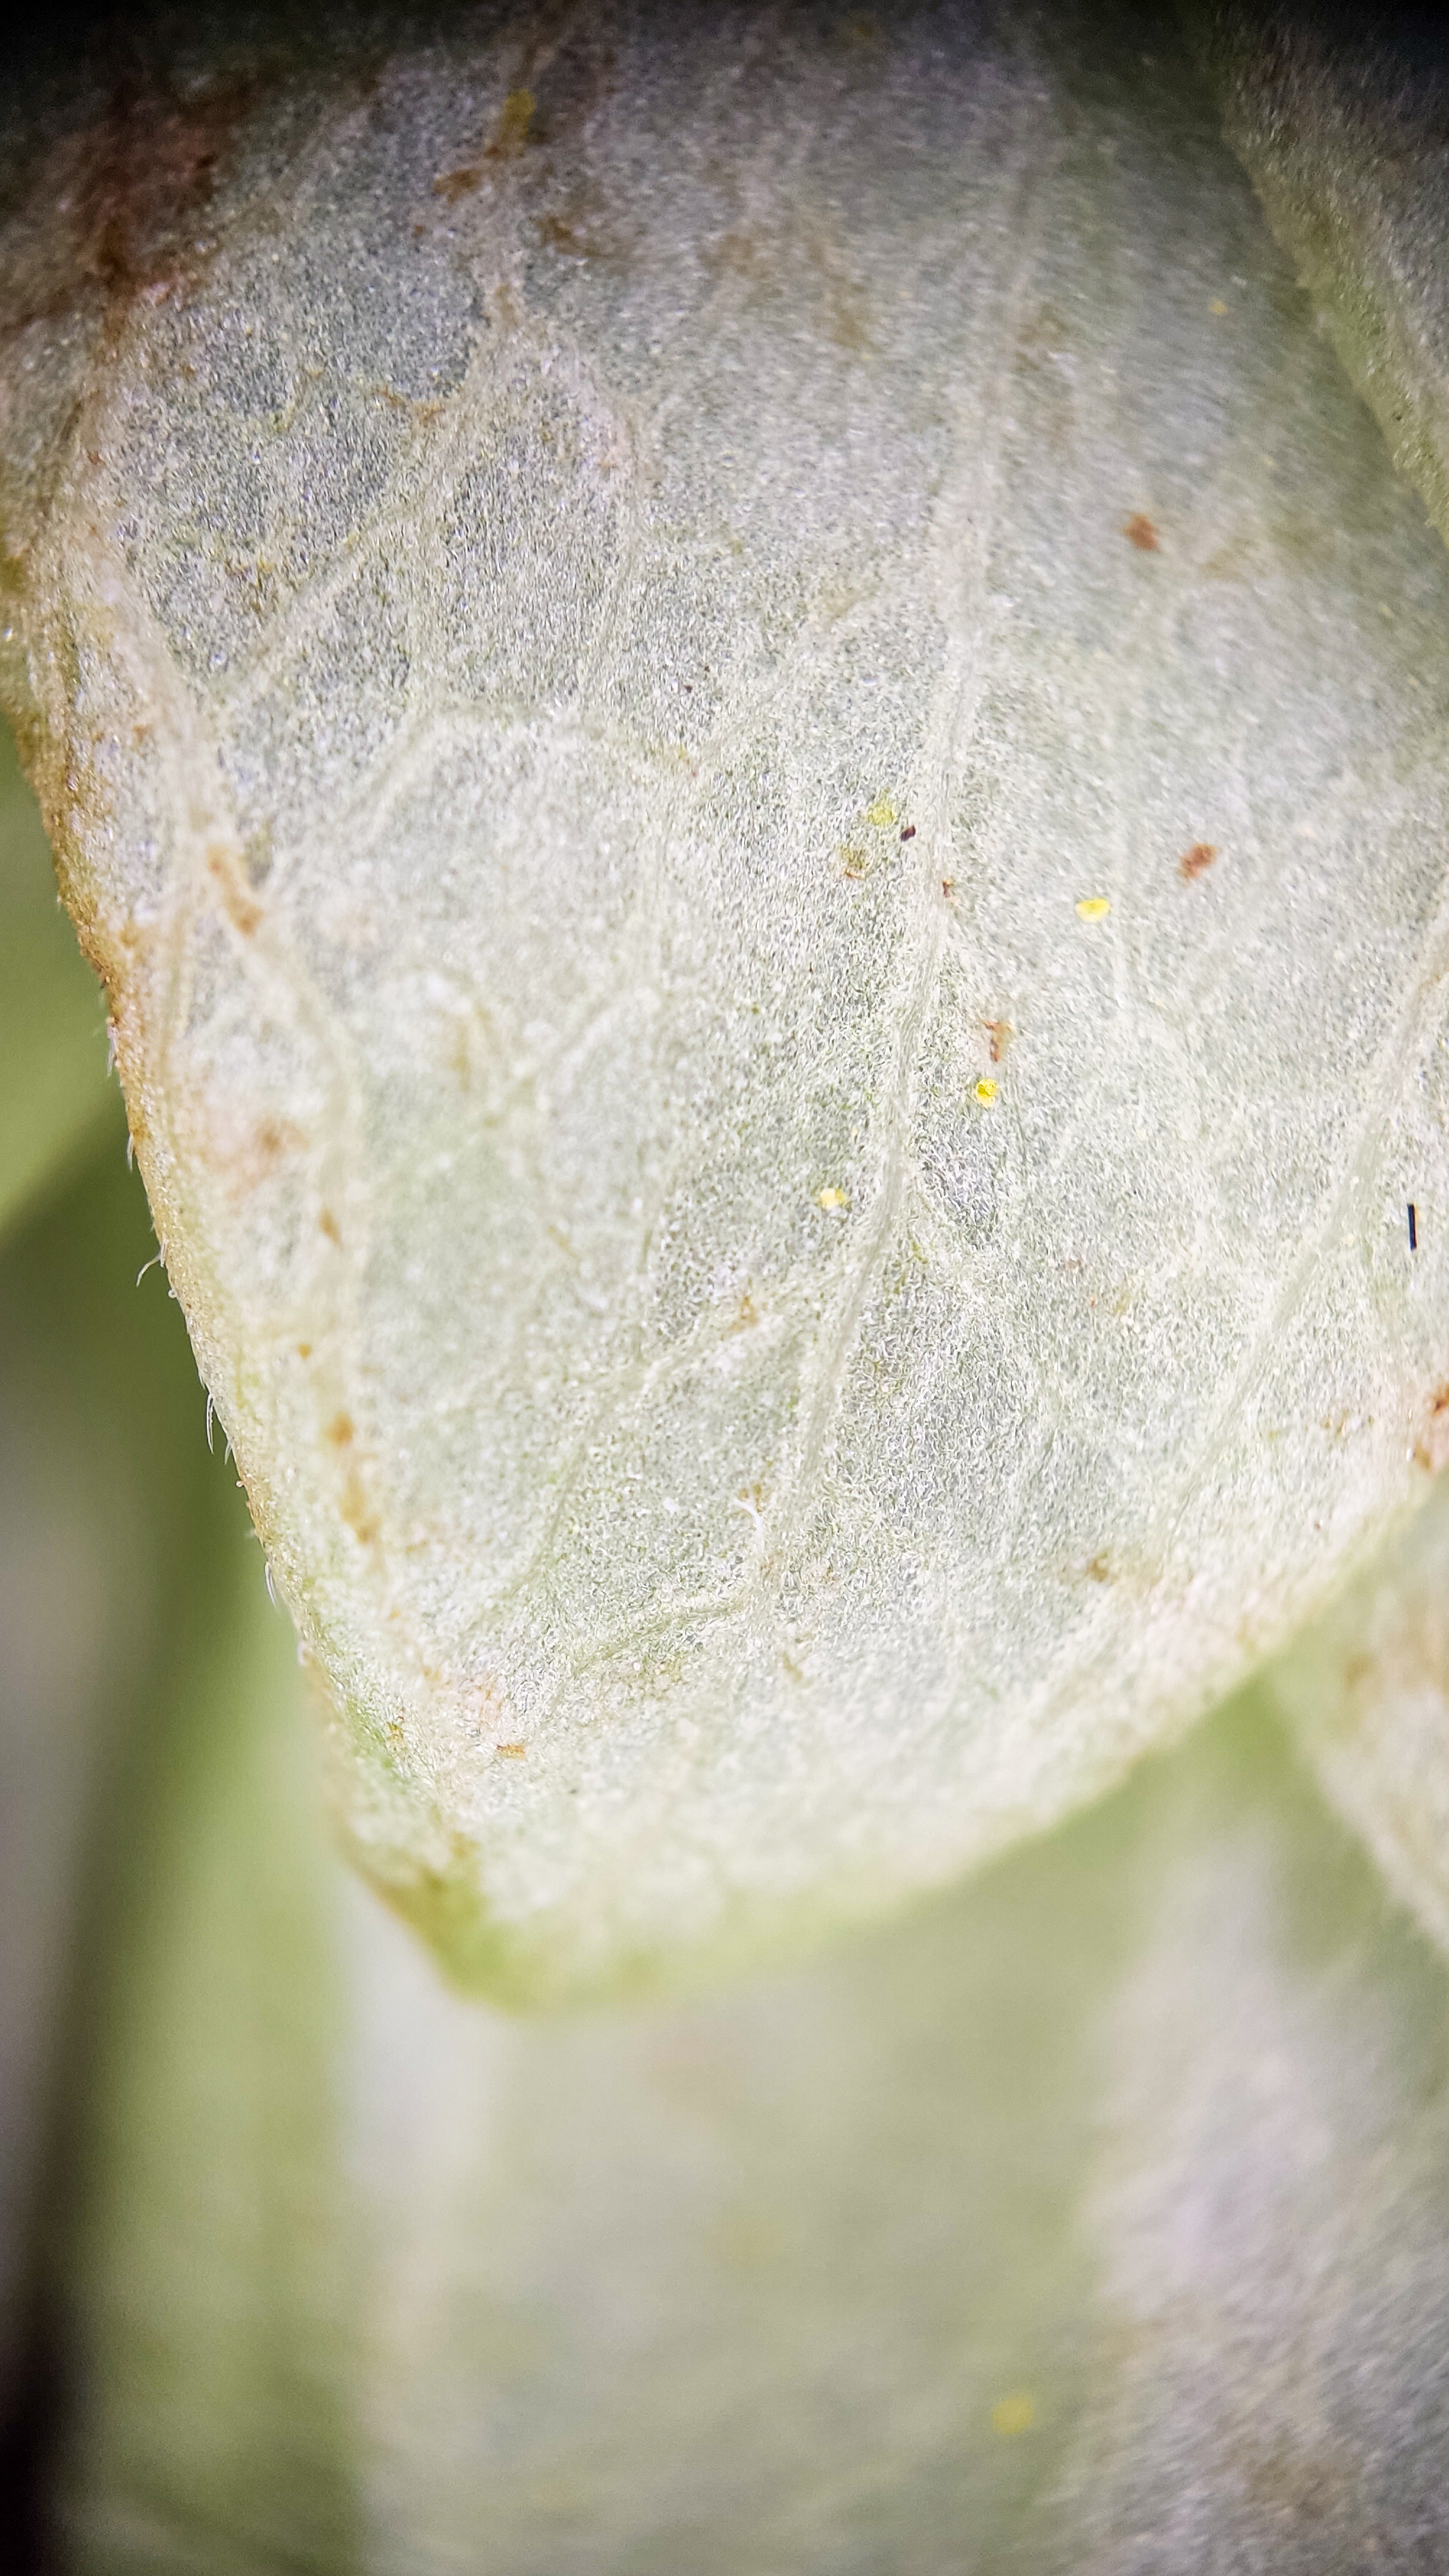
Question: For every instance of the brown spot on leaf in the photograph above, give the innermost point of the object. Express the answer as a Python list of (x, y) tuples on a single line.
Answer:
[(227, 876), (355, 1511), (509, 137), (450, 185), (1140, 532), (114, 205), (1194, 862), (247, 1154), (573, 239), (1432, 1450)]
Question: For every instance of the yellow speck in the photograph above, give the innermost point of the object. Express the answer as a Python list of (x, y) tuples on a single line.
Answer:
[(1094, 907), (833, 1198), (1217, 305), (882, 814), (986, 1089), (1014, 2414), (511, 1752)]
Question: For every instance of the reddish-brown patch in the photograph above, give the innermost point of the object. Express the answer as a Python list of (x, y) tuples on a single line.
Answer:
[(1000, 1034), (1432, 1451), (908, 831), (115, 205), (509, 137), (453, 184), (249, 1154), (746, 1314), (1140, 532), (1194, 862), (355, 1511), (242, 911), (574, 238)]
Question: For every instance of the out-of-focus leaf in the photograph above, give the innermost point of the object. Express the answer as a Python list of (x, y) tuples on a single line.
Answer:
[(103, 1473), (170, 2195), (1093, 2220), (209, 2258), (52, 1043), (755, 742)]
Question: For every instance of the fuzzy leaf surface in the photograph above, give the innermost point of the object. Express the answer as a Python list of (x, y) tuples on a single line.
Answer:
[(752, 735)]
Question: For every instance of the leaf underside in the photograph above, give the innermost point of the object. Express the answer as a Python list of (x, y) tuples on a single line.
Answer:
[(751, 734)]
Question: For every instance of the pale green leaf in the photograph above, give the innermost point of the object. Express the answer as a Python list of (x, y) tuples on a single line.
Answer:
[(753, 736)]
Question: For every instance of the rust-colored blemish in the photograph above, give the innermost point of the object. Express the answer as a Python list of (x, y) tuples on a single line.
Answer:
[(269, 1145), (244, 914), (739, 254), (330, 1227), (509, 136), (999, 1035), (1099, 1569), (453, 184), (948, 888), (511, 1752), (249, 1155), (1432, 1450), (340, 1431), (116, 202), (908, 831), (1140, 532), (572, 240), (1195, 861), (360, 1520)]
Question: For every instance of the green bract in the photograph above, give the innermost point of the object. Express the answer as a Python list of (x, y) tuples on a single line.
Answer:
[(752, 736)]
